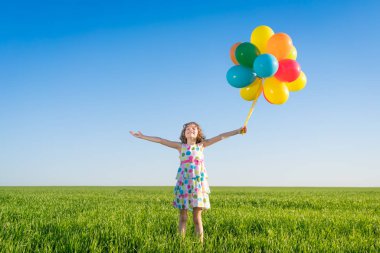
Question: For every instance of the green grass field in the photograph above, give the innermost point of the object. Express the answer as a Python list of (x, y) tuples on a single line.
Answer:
[(141, 219)]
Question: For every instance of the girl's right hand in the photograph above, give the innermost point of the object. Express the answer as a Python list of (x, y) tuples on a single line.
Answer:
[(138, 134)]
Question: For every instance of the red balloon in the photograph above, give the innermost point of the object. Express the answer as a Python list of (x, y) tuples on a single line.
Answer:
[(288, 70), (267, 98)]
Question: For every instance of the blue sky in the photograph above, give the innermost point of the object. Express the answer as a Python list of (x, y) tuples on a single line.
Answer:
[(76, 76)]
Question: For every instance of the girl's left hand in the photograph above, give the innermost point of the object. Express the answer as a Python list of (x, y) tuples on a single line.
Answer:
[(243, 130)]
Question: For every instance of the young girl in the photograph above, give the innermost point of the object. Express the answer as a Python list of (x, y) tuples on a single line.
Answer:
[(192, 189)]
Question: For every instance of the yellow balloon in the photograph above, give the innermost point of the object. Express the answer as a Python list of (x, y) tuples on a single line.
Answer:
[(275, 91), (293, 54), (252, 91), (260, 36), (297, 84)]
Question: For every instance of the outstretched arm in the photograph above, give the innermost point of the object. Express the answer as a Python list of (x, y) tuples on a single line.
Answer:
[(171, 144), (223, 136)]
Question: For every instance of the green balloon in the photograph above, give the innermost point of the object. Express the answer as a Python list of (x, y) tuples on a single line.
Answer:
[(246, 54)]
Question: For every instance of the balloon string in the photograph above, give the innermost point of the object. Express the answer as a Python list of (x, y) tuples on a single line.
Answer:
[(253, 105), (250, 112)]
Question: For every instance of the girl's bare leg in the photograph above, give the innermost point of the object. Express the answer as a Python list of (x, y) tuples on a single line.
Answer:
[(197, 218), (182, 222)]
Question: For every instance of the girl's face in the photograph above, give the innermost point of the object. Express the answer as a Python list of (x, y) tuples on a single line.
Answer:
[(191, 131)]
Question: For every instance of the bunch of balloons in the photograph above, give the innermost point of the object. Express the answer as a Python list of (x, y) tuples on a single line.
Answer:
[(265, 65)]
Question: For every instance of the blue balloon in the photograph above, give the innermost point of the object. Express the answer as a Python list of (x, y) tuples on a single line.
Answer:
[(265, 65), (239, 76)]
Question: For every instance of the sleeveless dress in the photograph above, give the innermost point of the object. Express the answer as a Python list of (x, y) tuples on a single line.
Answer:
[(191, 189)]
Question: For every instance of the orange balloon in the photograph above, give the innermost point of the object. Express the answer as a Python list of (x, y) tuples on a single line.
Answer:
[(280, 45), (232, 53)]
